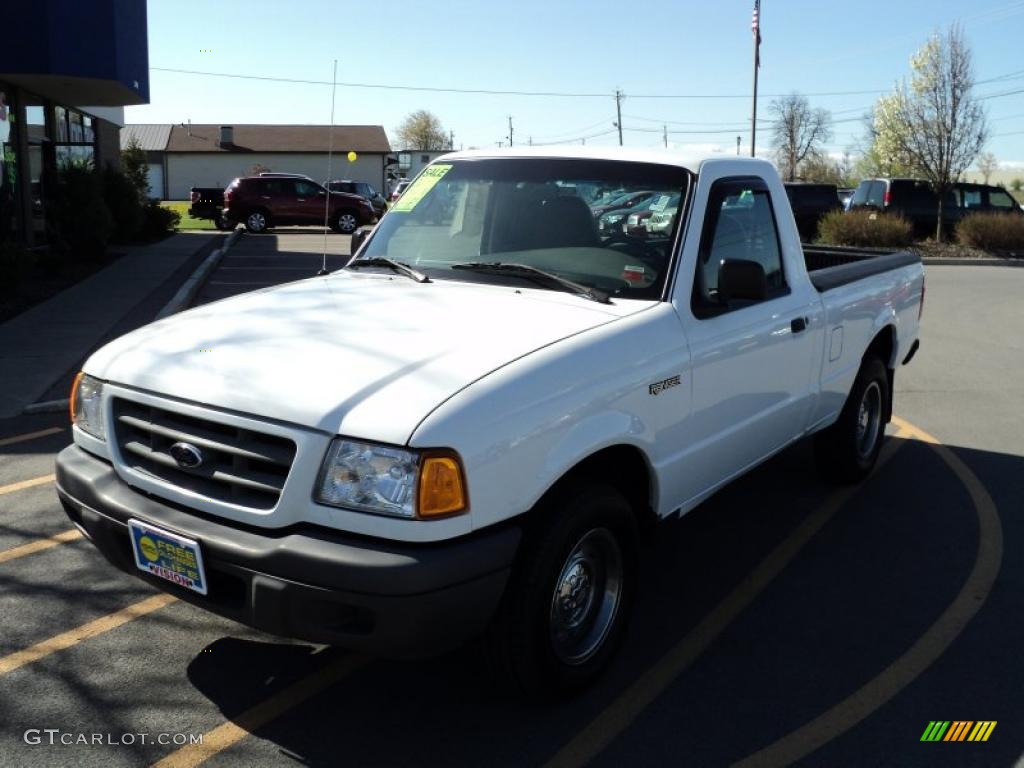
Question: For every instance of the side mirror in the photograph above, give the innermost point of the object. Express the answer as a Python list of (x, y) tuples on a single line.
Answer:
[(358, 238), (741, 279)]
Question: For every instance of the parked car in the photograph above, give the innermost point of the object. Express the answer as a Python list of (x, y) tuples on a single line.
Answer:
[(461, 432), (917, 202), (364, 189), (811, 201), (400, 187), (623, 202), (262, 202), (208, 203), (635, 224), (845, 195)]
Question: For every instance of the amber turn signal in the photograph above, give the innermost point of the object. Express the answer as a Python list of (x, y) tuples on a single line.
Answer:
[(442, 490), (73, 400)]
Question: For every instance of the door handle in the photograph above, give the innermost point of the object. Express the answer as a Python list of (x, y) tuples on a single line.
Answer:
[(799, 324)]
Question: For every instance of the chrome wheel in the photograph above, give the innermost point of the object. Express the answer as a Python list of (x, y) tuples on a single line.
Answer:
[(586, 597), (869, 419), (347, 223), (256, 222)]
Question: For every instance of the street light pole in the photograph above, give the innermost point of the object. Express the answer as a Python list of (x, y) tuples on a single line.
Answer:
[(618, 113)]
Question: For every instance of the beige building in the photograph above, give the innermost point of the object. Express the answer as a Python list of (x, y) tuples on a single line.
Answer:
[(213, 155)]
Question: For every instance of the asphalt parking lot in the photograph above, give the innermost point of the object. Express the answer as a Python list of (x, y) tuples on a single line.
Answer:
[(780, 622)]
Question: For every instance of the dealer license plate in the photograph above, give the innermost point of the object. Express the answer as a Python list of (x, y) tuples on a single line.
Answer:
[(168, 556)]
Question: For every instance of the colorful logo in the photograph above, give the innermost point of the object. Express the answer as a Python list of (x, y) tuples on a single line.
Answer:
[(958, 730), (149, 549)]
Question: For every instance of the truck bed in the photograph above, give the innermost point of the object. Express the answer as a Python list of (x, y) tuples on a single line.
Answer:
[(830, 267)]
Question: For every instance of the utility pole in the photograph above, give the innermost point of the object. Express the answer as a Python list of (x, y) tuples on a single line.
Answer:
[(756, 28), (451, 139), (510, 130), (530, 141), (618, 113), (738, 145), (500, 144), (664, 135)]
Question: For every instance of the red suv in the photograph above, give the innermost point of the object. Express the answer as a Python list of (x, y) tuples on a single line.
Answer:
[(261, 202)]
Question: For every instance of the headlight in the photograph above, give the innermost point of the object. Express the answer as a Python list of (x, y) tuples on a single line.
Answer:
[(87, 405), (391, 481)]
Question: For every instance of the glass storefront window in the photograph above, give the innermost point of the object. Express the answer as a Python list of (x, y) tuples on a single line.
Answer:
[(8, 165), (61, 121), (75, 127), (74, 153), (88, 131)]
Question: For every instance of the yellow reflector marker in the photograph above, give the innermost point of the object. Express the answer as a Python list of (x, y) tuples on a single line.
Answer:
[(73, 401), (441, 487)]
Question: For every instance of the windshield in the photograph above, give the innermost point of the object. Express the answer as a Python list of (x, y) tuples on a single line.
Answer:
[(529, 211)]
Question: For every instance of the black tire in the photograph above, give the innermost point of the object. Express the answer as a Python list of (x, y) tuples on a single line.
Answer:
[(345, 222), (846, 452), (257, 221), (223, 224), (586, 530)]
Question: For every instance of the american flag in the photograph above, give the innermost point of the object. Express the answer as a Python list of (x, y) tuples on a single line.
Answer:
[(755, 28)]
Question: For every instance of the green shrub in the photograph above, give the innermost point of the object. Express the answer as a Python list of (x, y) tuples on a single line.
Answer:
[(16, 263), (866, 229), (81, 222), (992, 231), (158, 222), (122, 200)]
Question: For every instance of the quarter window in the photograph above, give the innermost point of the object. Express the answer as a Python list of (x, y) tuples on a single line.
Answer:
[(1000, 199), (739, 226)]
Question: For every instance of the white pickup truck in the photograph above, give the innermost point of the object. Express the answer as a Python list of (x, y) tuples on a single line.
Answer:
[(461, 432)]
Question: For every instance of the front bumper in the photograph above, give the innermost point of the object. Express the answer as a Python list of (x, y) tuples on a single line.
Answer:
[(385, 598)]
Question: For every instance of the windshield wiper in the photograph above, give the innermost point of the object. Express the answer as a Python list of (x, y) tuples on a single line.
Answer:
[(538, 276), (395, 266)]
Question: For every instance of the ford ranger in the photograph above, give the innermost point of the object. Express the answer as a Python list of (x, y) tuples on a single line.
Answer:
[(461, 432)]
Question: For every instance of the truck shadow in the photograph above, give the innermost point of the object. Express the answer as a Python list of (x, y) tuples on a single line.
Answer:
[(860, 593)]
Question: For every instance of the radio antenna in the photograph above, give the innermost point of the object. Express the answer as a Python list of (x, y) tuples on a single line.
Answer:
[(330, 156)]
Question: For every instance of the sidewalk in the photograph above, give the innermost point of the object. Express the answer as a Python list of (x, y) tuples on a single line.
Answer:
[(40, 347)]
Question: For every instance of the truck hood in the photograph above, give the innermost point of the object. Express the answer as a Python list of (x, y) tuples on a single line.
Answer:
[(364, 355)]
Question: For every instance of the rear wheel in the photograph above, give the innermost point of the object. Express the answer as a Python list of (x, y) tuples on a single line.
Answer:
[(222, 223), (257, 221), (564, 612), (846, 452)]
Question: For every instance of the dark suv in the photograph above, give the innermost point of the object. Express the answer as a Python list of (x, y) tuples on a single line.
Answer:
[(917, 202), (261, 202), (809, 203), (364, 189)]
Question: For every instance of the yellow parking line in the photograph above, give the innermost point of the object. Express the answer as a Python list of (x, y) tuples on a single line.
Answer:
[(793, 747), (27, 484), (75, 636), (40, 545), (227, 734), (29, 436), (621, 713)]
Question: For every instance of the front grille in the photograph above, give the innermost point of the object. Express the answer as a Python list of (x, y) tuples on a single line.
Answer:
[(240, 466)]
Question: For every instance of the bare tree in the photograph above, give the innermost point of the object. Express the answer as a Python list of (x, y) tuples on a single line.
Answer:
[(422, 130), (987, 164), (800, 131), (934, 121)]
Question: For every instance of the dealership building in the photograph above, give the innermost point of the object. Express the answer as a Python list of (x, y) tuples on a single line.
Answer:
[(65, 77)]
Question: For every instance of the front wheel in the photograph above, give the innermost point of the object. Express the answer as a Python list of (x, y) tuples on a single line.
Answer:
[(346, 223), (564, 612), (846, 452), (257, 222)]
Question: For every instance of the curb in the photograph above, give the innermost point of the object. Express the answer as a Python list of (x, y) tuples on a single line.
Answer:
[(181, 299), (934, 261), (191, 287), (48, 406)]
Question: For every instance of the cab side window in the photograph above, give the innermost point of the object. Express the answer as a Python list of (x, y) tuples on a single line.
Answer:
[(739, 225)]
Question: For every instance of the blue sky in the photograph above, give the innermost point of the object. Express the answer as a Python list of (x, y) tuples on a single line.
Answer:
[(654, 48)]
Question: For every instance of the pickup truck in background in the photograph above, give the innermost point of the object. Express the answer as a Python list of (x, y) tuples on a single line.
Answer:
[(463, 431), (208, 203)]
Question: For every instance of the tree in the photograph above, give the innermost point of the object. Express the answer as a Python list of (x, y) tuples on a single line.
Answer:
[(133, 161), (799, 132), (1017, 184), (422, 130), (987, 164), (934, 122)]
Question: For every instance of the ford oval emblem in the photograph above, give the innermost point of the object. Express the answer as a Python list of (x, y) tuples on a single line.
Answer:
[(187, 455)]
